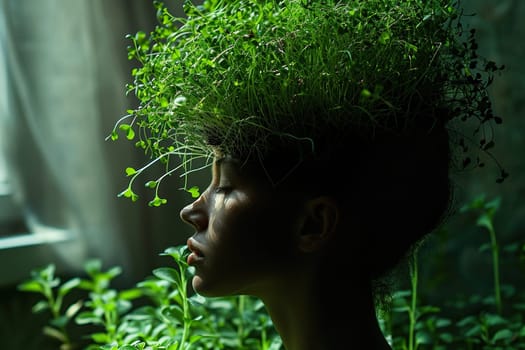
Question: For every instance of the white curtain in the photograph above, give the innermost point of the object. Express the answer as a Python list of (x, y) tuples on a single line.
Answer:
[(66, 73)]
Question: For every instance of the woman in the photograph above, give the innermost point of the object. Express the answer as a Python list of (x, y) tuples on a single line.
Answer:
[(332, 126), (310, 250)]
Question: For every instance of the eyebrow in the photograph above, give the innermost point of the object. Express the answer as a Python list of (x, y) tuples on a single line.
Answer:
[(218, 164)]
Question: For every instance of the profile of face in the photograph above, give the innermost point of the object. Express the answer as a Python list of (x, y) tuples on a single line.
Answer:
[(245, 232)]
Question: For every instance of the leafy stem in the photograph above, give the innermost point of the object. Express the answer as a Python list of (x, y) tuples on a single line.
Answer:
[(413, 300), (485, 219)]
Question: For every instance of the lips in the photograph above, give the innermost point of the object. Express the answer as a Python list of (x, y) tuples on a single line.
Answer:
[(196, 255)]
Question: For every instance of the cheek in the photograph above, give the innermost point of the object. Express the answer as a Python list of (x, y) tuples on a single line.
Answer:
[(253, 229), (249, 240), (235, 222), (226, 219)]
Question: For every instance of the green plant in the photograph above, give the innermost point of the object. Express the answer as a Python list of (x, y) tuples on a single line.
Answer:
[(467, 323), (485, 220), (44, 282), (160, 312), (166, 316), (238, 75)]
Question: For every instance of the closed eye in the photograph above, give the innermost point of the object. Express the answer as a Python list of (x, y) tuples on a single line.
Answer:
[(223, 189)]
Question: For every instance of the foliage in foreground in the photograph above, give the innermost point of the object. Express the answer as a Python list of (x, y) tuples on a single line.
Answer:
[(162, 313)]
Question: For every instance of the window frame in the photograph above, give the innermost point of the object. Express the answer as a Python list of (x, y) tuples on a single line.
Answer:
[(30, 245)]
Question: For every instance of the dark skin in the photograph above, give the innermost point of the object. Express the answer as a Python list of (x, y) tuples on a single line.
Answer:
[(282, 247)]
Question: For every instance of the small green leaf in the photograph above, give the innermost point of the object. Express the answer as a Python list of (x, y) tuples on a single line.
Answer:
[(101, 338), (178, 253), (114, 272), (443, 322), (151, 184), (473, 331), (167, 273), (484, 247), (66, 287), (477, 203), (469, 320), (140, 37), (179, 101), (494, 204), (173, 313), (428, 309), (93, 266), (59, 322), (130, 171), (485, 221), (55, 333), (384, 38), (194, 191), (130, 294), (128, 193), (31, 286), (163, 102), (40, 306), (88, 318), (157, 202), (47, 273), (502, 334), (446, 337), (494, 320), (401, 309), (86, 285), (74, 308), (366, 93), (130, 134), (114, 135)]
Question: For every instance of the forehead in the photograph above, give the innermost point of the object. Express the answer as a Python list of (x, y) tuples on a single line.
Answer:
[(242, 171), (226, 163)]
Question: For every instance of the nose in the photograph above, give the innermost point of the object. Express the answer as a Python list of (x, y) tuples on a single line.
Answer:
[(195, 215)]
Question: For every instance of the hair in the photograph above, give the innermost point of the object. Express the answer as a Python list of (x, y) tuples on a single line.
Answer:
[(395, 186)]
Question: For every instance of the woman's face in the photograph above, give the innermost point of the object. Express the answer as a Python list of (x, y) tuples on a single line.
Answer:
[(244, 232)]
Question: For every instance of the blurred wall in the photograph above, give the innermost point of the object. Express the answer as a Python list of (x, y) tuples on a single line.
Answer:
[(454, 263)]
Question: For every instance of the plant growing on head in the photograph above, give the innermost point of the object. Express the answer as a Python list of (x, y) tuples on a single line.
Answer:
[(237, 76)]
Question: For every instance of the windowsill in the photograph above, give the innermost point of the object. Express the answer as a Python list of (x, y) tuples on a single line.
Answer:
[(22, 253), (30, 239), (26, 244)]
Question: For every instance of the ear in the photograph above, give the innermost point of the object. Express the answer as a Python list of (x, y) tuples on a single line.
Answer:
[(319, 224)]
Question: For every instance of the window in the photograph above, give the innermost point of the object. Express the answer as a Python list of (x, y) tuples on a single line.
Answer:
[(21, 248), (63, 73), (11, 221)]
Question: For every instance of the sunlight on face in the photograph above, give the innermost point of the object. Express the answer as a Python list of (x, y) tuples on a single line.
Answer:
[(243, 232)]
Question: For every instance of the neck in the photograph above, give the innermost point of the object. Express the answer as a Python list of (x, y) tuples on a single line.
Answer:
[(325, 318)]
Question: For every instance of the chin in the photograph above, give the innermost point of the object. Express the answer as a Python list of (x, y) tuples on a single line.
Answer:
[(201, 287), (210, 289)]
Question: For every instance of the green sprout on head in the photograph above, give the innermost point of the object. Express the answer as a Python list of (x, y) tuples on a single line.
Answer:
[(236, 75)]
